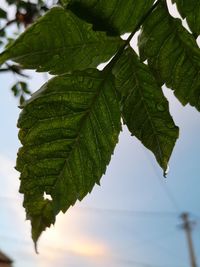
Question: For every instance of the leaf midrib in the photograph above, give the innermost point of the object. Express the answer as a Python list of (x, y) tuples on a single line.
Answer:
[(76, 141), (148, 114), (76, 46)]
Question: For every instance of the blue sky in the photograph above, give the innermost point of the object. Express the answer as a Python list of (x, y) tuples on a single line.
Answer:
[(132, 219)]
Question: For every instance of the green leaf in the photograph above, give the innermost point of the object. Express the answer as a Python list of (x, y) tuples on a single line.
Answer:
[(190, 10), (114, 16), (3, 14), (64, 3), (20, 89), (60, 42), (145, 110), (24, 88), (173, 55), (15, 89), (68, 130)]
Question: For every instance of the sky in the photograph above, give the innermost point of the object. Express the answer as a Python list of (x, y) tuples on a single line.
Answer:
[(132, 219)]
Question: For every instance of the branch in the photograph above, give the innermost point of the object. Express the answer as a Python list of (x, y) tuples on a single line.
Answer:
[(127, 42), (4, 70), (15, 69)]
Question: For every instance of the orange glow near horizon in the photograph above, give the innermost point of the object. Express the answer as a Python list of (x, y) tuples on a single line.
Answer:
[(69, 236), (89, 248)]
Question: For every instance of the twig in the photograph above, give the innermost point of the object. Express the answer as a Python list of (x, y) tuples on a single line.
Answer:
[(126, 43), (15, 69)]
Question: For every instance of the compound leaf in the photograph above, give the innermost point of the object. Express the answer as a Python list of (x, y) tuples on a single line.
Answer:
[(68, 129), (145, 110), (173, 55), (190, 10), (114, 16), (60, 42)]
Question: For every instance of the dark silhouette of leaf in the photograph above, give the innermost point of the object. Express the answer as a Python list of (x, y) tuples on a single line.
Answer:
[(114, 16)]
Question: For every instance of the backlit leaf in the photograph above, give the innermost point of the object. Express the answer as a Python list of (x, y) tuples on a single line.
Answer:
[(145, 110), (173, 55), (191, 11), (60, 42), (68, 129)]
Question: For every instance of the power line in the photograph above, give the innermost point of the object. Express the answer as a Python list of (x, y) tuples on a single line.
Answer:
[(169, 195), (157, 238), (142, 264), (63, 250), (162, 214), (153, 243), (132, 212), (168, 192), (150, 241), (196, 216)]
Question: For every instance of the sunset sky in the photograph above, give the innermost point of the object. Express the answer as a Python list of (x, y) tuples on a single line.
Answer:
[(132, 219)]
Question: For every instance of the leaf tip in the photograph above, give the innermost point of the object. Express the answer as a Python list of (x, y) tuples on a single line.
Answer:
[(35, 238), (166, 171), (35, 247)]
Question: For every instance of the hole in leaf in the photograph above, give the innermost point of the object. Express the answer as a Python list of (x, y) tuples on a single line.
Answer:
[(47, 196)]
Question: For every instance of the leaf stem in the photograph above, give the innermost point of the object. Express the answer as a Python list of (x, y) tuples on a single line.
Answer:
[(126, 43), (14, 69)]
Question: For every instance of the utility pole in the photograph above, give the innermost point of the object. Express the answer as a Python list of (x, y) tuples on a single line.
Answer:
[(187, 226)]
